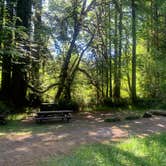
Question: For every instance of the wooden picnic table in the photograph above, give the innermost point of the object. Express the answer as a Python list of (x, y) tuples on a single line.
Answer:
[(54, 115), (54, 112)]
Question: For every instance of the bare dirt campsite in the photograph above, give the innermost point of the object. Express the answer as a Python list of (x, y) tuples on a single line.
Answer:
[(27, 144)]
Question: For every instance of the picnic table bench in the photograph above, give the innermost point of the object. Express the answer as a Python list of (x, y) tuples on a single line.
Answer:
[(49, 112)]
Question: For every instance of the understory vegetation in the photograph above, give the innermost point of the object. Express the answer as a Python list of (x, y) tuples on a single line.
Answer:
[(82, 53)]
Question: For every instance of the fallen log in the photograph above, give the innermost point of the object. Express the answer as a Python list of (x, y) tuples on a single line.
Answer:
[(158, 113)]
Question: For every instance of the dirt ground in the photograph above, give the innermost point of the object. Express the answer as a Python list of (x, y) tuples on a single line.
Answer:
[(27, 149)]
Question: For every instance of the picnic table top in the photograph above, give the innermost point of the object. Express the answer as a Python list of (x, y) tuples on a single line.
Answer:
[(52, 112)]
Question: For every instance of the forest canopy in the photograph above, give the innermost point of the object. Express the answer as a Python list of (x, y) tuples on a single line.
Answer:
[(86, 51)]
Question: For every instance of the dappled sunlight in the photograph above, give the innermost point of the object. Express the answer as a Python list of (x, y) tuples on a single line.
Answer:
[(22, 149), (93, 117), (28, 127), (161, 125), (62, 136), (126, 126), (53, 137), (132, 151), (142, 135), (104, 132), (151, 131), (43, 134), (155, 118), (137, 122), (21, 137), (119, 133)]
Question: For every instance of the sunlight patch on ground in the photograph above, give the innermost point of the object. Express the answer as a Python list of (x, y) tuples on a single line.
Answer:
[(161, 125), (19, 136), (15, 133)]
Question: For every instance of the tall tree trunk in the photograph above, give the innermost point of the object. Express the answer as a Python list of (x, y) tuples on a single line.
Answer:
[(107, 71), (126, 49), (38, 41), (156, 25), (23, 10), (1, 16), (78, 16), (6, 59), (70, 79), (65, 66), (133, 7), (98, 80), (64, 69), (67, 90), (120, 49), (19, 78), (110, 72), (6, 77), (116, 88), (110, 52), (106, 22), (19, 85)]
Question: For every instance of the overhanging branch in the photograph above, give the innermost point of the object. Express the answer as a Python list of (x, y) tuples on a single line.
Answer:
[(92, 81), (42, 91)]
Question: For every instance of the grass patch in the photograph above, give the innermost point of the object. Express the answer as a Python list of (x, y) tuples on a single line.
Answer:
[(128, 108), (132, 117), (15, 125), (113, 119), (149, 151), (17, 117)]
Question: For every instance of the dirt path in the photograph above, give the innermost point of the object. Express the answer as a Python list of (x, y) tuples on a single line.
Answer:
[(29, 148)]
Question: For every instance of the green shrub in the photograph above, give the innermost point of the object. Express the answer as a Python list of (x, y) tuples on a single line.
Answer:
[(148, 102), (115, 103), (162, 105)]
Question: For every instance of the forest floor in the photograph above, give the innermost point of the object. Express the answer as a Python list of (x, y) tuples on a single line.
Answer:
[(28, 146)]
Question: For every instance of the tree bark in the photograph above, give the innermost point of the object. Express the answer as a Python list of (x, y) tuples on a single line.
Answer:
[(116, 88), (133, 7), (120, 49), (19, 74), (38, 41), (110, 53), (6, 59), (64, 70)]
